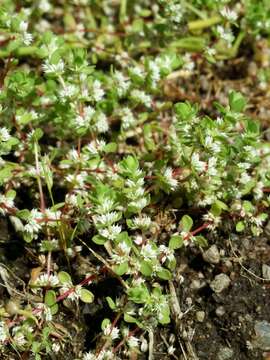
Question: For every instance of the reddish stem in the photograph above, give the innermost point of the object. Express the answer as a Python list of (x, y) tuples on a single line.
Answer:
[(196, 231), (131, 333)]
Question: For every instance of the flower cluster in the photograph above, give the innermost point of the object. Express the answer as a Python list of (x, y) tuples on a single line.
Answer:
[(104, 166)]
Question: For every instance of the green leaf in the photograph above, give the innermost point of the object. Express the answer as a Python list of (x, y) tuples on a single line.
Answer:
[(50, 298), (105, 322), (50, 301), (176, 242), (138, 294), (171, 264), (121, 269), (186, 223), (110, 148), (129, 165), (111, 303), (237, 101), (164, 274), (64, 277), (240, 226), (201, 241), (130, 319), (146, 268), (23, 214), (185, 110), (57, 206), (11, 194), (86, 296), (99, 240), (28, 237)]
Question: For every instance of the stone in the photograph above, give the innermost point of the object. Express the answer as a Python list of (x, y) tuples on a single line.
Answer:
[(200, 316), (220, 311), (225, 353), (220, 283), (266, 271), (262, 340), (212, 255)]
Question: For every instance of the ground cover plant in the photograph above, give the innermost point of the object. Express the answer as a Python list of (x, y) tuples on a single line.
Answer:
[(118, 156)]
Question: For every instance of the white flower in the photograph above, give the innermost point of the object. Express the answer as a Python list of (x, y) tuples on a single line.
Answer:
[(47, 313), (137, 71), (127, 118), (81, 121), (74, 294), (141, 96), (101, 123), (73, 155), (106, 206), (92, 148), (154, 71), (197, 163), (124, 248), (122, 83), (139, 203), (56, 347), (171, 350), (23, 26), (53, 68), (168, 175), (113, 332), (7, 202), (258, 190), (133, 342), (166, 253), (229, 14), (45, 279), (138, 240), (68, 91), (27, 38), (106, 219), (19, 339), (97, 91), (89, 356), (226, 35), (176, 12), (4, 134), (210, 51), (52, 215), (219, 120), (111, 232), (164, 62), (148, 252), (189, 64), (3, 332), (79, 179), (258, 221), (33, 226), (213, 220), (44, 5), (142, 222), (211, 170), (245, 178), (89, 111)]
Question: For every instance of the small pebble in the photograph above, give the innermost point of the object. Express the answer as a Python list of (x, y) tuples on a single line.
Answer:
[(212, 255), (195, 284), (225, 353), (262, 340), (220, 311), (266, 271), (200, 316), (220, 283)]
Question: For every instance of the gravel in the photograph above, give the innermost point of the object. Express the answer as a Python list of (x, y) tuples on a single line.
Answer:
[(220, 283), (212, 255)]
